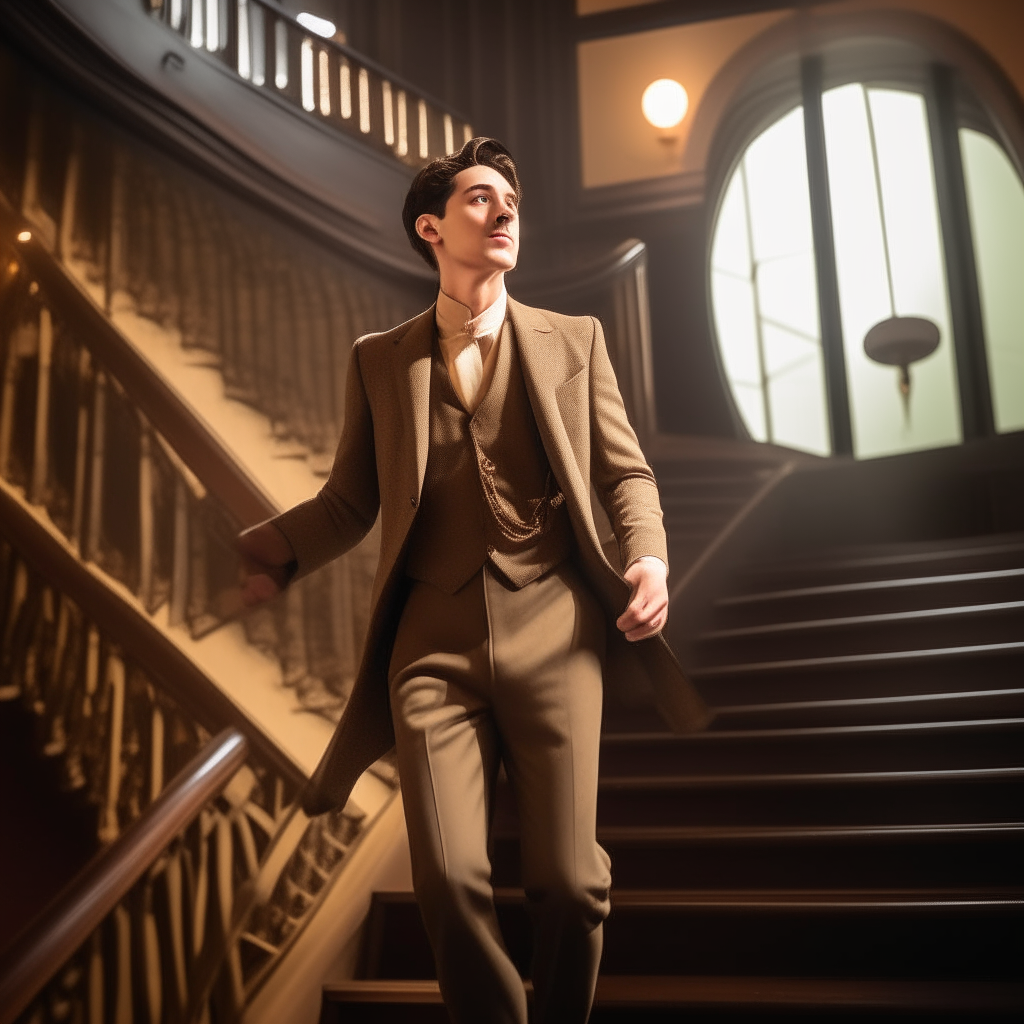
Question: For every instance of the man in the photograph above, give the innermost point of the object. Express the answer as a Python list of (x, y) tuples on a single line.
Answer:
[(477, 429)]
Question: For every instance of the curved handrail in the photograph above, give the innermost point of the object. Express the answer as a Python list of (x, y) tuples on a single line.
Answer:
[(214, 465), (583, 276), (76, 912)]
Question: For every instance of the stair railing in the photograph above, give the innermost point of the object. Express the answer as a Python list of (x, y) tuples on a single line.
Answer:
[(217, 901), (57, 934), (268, 48), (115, 227)]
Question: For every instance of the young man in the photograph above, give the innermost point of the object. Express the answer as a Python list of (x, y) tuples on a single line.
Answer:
[(477, 430)]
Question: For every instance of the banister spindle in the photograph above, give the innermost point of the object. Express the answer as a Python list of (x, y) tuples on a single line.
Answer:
[(69, 201), (110, 827), (81, 448), (146, 512), (95, 498), (40, 453)]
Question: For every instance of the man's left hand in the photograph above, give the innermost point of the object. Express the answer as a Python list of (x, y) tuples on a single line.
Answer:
[(647, 611)]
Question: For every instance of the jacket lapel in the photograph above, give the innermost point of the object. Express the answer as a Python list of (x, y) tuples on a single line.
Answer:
[(550, 371), (414, 351)]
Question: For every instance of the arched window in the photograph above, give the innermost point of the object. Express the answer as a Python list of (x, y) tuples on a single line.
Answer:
[(871, 199)]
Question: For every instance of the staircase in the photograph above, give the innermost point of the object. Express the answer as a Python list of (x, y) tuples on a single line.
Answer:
[(845, 843)]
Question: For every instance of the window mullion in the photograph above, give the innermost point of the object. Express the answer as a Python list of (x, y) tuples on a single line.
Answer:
[(958, 248), (825, 259)]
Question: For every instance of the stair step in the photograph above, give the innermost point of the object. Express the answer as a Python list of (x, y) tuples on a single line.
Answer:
[(647, 999), (869, 597), (923, 746), (833, 933), (950, 855), (827, 568), (974, 667), (935, 708), (841, 798), (864, 634)]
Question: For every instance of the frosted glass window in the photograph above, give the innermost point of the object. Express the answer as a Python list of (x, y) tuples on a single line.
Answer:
[(995, 199), (764, 293), (879, 162)]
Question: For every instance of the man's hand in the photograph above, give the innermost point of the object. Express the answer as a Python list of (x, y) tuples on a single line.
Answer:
[(267, 560), (647, 611)]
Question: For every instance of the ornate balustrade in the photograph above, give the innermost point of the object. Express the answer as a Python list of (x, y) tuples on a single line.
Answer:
[(193, 931), (132, 477), (338, 87)]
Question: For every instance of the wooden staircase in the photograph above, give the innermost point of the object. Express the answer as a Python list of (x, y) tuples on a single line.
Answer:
[(845, 842)]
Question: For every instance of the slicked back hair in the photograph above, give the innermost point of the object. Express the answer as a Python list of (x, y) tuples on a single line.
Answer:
[(433, 186)]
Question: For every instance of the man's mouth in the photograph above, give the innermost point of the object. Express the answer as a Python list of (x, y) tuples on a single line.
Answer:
[(501, 234)]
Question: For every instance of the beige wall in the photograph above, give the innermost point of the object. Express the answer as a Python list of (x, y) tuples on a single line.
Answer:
[(616, 141), (618, 145)]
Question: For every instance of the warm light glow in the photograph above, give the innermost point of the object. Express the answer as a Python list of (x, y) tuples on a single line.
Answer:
[(24, 236), (321, 26), (664, 103)]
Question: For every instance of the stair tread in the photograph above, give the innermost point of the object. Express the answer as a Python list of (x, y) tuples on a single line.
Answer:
[(717, 833), (756, 780), (786, 898), (853, 702), (905, 554), (863, 586), (850, 660), (738, 735), (851, 621), (725, 991)]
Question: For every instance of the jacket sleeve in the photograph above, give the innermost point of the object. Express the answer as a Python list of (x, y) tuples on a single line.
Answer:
[(624, 482), (342, 512)]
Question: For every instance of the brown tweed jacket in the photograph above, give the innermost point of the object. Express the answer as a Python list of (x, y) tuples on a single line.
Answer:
[(380, 465)]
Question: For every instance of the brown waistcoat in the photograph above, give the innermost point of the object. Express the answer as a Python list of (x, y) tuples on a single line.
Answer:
[(488, 492)]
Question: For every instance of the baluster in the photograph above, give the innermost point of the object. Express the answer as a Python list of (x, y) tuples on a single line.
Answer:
[(152, 969), (7, 402), (95, 499), (122, 966), (115, 233), (30, 182), (81, 448), (147, 497), (69, 202), (109, 825), (95, 1009), (40, 454), (175, 932), (181, 557)]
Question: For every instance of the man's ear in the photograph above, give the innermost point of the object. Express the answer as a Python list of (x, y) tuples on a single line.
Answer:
[(426, 228)]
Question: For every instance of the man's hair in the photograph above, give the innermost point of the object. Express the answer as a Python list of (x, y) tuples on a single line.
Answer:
[(433, 186)]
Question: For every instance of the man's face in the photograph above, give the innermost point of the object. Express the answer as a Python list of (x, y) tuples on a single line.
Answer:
[(480, 227)]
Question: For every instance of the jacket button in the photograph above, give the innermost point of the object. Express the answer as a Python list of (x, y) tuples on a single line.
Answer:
[(412, 501)]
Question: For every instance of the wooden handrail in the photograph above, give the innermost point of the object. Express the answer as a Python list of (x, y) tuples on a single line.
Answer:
[(77, 911), (580, 276), (163, 661), (188, 435)]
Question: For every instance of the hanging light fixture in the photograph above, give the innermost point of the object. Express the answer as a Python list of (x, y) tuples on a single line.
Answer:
[(898, 340)]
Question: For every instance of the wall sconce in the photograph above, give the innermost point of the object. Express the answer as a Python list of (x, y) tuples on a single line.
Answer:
[(664, 104)]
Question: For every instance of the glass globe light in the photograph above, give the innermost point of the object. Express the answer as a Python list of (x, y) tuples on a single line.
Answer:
[(664, 103)]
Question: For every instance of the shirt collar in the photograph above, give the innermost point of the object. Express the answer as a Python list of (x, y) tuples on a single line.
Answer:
[(453, 317)]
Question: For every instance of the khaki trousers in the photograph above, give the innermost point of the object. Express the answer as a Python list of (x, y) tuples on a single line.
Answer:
[(495, 674)]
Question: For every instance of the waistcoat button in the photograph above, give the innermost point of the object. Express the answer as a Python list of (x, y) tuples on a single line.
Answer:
[(412, 501)]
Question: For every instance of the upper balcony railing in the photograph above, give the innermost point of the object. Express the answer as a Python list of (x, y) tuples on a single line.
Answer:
[(268, 48)]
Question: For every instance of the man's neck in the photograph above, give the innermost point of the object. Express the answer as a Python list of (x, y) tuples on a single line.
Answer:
[(475, 293)]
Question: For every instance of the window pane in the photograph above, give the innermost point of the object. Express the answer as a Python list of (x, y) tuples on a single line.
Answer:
[(889, 127), (764, 292), (995, 199)]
